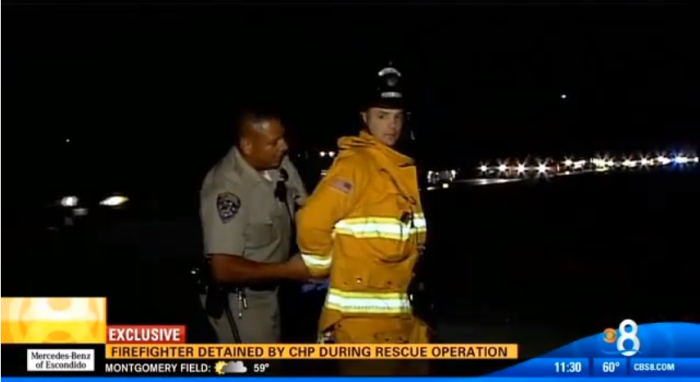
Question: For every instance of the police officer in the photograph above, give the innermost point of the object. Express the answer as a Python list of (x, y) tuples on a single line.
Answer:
[(364, 227), (247, 208)]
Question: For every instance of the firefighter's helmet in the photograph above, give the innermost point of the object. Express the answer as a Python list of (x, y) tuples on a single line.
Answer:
[(388, 90)]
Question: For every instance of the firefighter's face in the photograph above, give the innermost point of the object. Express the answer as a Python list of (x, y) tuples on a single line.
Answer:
[(265, 144), (384, 124)]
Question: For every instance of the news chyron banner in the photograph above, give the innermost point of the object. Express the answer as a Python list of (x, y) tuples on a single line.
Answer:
[(71, 336)]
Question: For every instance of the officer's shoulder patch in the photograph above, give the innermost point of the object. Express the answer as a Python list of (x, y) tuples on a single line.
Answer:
[(227, 205)]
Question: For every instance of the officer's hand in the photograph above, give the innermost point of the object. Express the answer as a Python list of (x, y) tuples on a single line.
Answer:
[(295, 269)]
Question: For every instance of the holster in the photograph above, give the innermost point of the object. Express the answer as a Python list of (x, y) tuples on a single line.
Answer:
[(216, 294), (216, 303)]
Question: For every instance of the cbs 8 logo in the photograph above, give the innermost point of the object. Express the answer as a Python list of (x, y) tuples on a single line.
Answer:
[(628, 334)]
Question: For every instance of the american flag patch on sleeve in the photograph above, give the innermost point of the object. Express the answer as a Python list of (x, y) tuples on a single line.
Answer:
[(341, 185)]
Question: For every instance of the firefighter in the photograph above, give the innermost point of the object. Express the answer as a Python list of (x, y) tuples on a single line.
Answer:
[(364, 228)]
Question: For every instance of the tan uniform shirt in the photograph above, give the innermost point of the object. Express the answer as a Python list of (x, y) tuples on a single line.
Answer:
[(242, 217)]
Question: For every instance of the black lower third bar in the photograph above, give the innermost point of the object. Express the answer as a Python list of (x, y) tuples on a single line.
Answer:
[(162, 367), (89, 360), (193, 367)]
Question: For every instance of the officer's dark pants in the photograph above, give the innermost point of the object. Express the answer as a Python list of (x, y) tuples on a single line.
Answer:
[(300, 314)]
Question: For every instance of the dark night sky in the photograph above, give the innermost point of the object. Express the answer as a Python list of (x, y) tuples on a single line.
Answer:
[(156, 84)]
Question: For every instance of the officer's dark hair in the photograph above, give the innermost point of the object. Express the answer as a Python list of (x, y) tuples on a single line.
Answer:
[(253, 118)]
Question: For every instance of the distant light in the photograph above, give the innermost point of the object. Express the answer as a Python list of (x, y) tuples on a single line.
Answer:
[(663, 160), (445, 185), (114, 201), (331, 154), (322, 153), (69, 201), (680, 159), (80, 211), (67, 140), (572, 166), (598, 162), (563, 96)]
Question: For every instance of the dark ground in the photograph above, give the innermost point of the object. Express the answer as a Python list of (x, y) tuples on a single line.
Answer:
[(537, 263)]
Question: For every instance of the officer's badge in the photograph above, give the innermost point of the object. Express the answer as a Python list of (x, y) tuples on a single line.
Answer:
[(227, 204)]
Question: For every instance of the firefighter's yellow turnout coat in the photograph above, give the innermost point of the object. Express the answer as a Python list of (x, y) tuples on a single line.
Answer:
[(364, 228)]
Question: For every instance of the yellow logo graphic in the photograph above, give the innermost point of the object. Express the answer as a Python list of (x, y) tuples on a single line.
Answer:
[(231, 367), (30, 320), (219, 367)]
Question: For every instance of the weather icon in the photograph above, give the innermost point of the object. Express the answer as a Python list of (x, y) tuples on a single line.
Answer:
[(231, 367)]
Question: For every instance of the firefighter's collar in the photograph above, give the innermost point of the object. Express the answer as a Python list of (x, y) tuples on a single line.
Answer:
[(391, 154)]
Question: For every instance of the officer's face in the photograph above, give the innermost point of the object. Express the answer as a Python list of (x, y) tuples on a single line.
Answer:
[(384, 124), (266, 144)]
